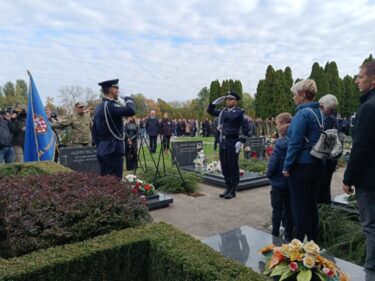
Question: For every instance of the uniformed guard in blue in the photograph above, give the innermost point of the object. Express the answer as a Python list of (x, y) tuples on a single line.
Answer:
[(108, 134), (233, 130)]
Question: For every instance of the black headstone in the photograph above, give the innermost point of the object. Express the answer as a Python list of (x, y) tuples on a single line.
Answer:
[(82, 159), (186, 151), (257, 146)]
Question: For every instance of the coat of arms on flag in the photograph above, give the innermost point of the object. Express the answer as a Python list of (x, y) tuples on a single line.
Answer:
[(39, 124)]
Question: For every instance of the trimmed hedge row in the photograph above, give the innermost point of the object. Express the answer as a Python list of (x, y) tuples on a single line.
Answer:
[(32, 168), (152, 252)]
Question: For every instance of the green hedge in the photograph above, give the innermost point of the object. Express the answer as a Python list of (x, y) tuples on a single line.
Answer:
[(32, 168), (152, 252)]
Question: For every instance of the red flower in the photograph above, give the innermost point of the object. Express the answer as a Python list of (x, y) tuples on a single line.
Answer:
[(134, 190), (293, 266), (328, 272), (147, 187), (137, 184)]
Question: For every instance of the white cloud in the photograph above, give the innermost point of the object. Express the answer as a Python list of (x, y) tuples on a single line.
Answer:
[(171, 49)]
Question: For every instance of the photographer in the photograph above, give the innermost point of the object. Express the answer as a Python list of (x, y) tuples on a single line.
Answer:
[(7, 153), (19, 132), (132, 132)]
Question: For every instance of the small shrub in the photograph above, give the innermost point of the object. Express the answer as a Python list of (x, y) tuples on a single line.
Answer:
[(253, 165), (171, 181), (42, 211), (32, 168), (341, 234)]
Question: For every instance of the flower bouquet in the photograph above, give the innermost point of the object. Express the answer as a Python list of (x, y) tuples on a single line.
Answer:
[(214, 167), (139, 186), (300, 261)]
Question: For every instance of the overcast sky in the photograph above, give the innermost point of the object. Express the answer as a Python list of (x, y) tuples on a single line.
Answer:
[(171, 49)]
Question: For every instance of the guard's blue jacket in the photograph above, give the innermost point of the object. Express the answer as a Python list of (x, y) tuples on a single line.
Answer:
[(104, 139), (233, 122)]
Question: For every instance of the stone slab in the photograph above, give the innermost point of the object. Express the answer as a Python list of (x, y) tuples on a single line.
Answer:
[(81, 159), (159, 202), (185, 152), (243, 243), (248, 180)]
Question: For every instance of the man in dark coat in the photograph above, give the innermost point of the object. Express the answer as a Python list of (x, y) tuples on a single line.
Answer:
[(152, 129), (107, 132), (230, 122), (360, 171)]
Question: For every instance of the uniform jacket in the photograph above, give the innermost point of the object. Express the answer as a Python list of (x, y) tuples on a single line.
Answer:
[(360, 171), (105, 141), (152, 126), (80, 124), (276, 162), (303, 133), (232, 121)]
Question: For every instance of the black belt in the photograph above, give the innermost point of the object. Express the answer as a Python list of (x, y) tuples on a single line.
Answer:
[(230, 137)]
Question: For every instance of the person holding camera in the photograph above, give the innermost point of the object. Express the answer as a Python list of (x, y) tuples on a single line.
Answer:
[(19, 133), (230, 122), (7, 128), (107, 132)]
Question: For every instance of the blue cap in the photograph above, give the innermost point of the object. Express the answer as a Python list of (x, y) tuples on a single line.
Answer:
[(232, 95), (109, 83)]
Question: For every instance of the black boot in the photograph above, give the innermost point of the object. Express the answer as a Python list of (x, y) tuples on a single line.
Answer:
[(226, 191), (232, 192)]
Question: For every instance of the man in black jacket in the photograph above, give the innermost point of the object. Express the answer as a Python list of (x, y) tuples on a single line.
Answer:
[(7, 128), (360, 171)]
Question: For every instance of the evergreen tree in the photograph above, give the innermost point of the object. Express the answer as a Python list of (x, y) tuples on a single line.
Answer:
[(214, 90), (260, 99), (225, 87), (370, 58), (319, 76), (336, 85), (269, 89), (350, 101), (21, 91), (237, 87), (8, 89), (288, 84)]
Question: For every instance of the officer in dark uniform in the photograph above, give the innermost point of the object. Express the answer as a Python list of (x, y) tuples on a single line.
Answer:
[(107, 132), (231, 122)]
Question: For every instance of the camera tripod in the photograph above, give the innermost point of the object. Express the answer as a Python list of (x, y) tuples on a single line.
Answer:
[(143, 163)]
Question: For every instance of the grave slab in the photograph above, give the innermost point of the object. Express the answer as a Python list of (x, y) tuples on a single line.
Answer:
[(81, 159), (243, 243), (161, 201), (247, 181)]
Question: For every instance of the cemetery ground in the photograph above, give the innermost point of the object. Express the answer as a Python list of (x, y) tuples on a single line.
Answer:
[(208, 215)]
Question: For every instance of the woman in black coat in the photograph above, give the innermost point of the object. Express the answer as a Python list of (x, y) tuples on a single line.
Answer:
[(132, 131), (166, 131)]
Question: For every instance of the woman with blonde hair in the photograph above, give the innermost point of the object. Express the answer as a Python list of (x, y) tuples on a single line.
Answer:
[(302, 169)]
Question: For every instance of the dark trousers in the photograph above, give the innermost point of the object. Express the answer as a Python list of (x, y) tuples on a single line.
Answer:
[(112, 164), (229, 163), (303, 186), (153, 143), (324, 194), (166, 142), (366, 199), (131, 156), (280, 202)]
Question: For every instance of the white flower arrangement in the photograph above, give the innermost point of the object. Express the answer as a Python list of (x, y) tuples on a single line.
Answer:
[(214, 167), (201, 160)]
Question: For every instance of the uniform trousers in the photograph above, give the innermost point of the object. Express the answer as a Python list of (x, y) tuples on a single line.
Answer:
[(229, 162), (112, 164)]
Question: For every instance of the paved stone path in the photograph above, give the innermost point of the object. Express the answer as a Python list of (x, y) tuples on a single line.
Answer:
[(208, 215)]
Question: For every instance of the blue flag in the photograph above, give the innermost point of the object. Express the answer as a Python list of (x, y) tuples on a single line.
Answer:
[(39, 137)]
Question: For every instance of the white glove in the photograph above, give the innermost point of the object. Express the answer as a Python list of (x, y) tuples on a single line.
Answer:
[(218, 100), (238, 146)]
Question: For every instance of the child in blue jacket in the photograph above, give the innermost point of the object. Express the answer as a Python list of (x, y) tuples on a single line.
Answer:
[(280, 200)]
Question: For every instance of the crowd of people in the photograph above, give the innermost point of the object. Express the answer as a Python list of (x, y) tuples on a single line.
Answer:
[(299, 179)]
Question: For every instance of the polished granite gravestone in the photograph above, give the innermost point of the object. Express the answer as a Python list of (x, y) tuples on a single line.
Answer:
[(158, 200), (341, 202), (81, 159), (247, 181), (243, 244), (185, 152), (257, 145)]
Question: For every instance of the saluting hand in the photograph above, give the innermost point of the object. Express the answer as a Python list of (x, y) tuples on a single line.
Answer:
[(218, 100)]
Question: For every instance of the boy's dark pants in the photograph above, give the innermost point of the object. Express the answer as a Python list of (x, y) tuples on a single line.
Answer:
[(280, 202)]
